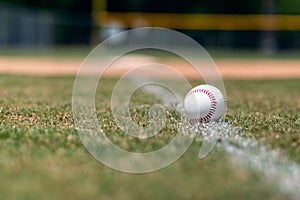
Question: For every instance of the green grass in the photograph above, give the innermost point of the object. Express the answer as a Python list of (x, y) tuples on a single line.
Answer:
[(42, 157), (253, 54), (56, 52), (269, 110), (229, 54), (83, 51)]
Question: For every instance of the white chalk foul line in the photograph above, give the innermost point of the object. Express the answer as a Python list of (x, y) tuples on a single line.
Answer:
[(249, 153), (246, 152)]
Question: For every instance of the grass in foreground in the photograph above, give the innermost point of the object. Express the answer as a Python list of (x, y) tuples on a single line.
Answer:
[(41, 156)]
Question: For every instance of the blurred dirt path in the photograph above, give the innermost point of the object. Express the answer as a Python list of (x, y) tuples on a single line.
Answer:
[(229, 68)]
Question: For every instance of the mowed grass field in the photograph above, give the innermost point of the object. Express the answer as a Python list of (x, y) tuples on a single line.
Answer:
[(42, 157)]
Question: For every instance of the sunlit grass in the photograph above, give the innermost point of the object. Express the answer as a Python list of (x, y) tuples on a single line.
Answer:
[(42, 157)]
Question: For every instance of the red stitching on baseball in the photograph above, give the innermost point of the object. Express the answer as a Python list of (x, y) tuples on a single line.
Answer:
[(213, 106)]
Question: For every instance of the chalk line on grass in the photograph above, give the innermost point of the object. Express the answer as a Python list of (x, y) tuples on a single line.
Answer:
[(247, 152), (244, 151)]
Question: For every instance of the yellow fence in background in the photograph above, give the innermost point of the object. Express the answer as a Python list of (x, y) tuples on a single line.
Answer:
[(200, 21)]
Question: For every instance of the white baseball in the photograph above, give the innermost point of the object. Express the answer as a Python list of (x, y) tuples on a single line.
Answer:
[(204, 103)]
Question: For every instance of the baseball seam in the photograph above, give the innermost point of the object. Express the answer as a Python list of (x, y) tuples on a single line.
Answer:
[(213, 106)]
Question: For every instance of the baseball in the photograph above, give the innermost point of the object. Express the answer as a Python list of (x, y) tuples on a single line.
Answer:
[(204, 103)]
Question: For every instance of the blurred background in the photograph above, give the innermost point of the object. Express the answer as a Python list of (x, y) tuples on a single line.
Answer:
[(265, 25)]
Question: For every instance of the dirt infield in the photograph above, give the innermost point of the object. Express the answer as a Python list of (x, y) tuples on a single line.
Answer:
[(229, 68)]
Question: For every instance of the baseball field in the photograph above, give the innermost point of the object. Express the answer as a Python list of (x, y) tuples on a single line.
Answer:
[(42, 157)]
